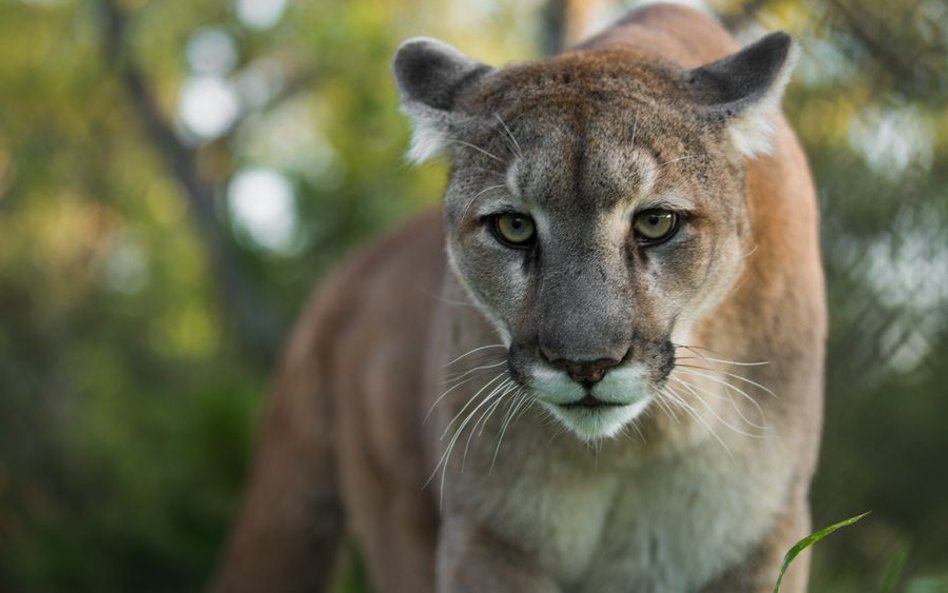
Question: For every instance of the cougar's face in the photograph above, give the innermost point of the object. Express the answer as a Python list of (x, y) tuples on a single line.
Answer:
[(593, 234), (596, 208)]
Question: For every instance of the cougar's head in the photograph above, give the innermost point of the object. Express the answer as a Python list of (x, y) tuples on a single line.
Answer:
[(595, 209)]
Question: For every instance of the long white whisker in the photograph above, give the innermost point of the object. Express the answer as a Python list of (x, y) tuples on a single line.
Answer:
[(509, 133), (463, 374), (463, 409), (499, 174), (443, 461), (674, 397), (694, 390), (694, 350), (737, 408), (469, 352), (667, 408), (485, 417), (634, 425), (739, 378), (728, 386), (457, 435), (477, 148), (444, 395), (518, 402), (496, 396), (479, 194), (681, 158), (751, 252)]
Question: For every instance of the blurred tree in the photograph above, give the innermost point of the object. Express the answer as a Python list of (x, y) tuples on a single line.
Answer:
[(142, 263), (255, 321)]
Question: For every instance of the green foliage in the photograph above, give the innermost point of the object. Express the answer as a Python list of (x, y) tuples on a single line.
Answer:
[(894, 571)]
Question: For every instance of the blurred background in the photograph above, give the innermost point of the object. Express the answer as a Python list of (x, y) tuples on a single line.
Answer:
[(176, 176)]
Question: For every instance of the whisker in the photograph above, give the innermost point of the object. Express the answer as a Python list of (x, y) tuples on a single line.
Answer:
[(457, 381), (443, 461), (737, 408), (463, 409), (732, 375), (510, 134), (470, 415), (461, 374), (681, 158), (479, 194), (674, 397), (494, 173), (444, 395), (469, 352), (634, 425), (751, 252), (667, 408), (498, 398), (518, 402), (441, 299), (477, 148), (694, 390), (694, 350), (552, 422)]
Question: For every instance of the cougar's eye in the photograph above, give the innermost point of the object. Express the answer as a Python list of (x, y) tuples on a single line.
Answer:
[(654, 226), (513, 230)]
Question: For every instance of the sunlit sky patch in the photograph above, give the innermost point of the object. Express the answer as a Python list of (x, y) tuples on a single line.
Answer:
[(289, 138), (211, 51), (125, 268), (208, 106), (907, 271), (259, 82), (892, 141), (259, 14), (822, 63), (262, 204)]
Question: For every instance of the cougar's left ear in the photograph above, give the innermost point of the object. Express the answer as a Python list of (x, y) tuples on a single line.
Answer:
[(430, 76), (743, 90)]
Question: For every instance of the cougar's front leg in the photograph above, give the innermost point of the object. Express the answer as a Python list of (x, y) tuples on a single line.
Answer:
[(758, 571), (473, 560)]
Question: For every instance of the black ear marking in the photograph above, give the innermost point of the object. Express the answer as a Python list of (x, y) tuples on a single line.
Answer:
[(431, 73), (744, 89), (743, 76)]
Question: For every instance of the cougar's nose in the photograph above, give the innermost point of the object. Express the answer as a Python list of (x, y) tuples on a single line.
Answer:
[(586, 374)]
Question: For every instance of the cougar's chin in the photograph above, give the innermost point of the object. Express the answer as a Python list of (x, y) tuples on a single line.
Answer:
[(595, 413), (596, 422)]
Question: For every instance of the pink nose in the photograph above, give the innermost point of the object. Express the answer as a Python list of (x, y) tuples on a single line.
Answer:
[(586, 373)]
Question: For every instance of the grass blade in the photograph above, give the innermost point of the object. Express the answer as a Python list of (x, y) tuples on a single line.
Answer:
[(809, 541), (894, 570)]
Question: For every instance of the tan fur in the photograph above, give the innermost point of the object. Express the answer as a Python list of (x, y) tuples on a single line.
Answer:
[(345, 432)]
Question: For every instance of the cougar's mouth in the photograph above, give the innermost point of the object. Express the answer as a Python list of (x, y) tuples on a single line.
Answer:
[(595, 413), (591, 401)]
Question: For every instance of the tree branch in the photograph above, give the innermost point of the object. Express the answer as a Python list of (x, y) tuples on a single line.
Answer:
[(565, 22), (255, 320)]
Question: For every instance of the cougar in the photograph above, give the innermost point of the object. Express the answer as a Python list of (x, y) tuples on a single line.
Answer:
[(598, 369)]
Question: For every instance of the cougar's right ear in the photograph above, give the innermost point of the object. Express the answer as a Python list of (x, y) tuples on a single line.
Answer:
[(430, 76)]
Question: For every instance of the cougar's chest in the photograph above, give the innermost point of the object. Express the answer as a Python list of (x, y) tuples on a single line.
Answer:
[(663, 526)]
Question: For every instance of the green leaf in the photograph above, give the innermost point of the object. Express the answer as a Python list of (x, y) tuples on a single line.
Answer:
[(809, 541), (894, 570)]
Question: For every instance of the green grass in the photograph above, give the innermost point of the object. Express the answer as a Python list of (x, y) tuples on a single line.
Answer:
[(809, 541)]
